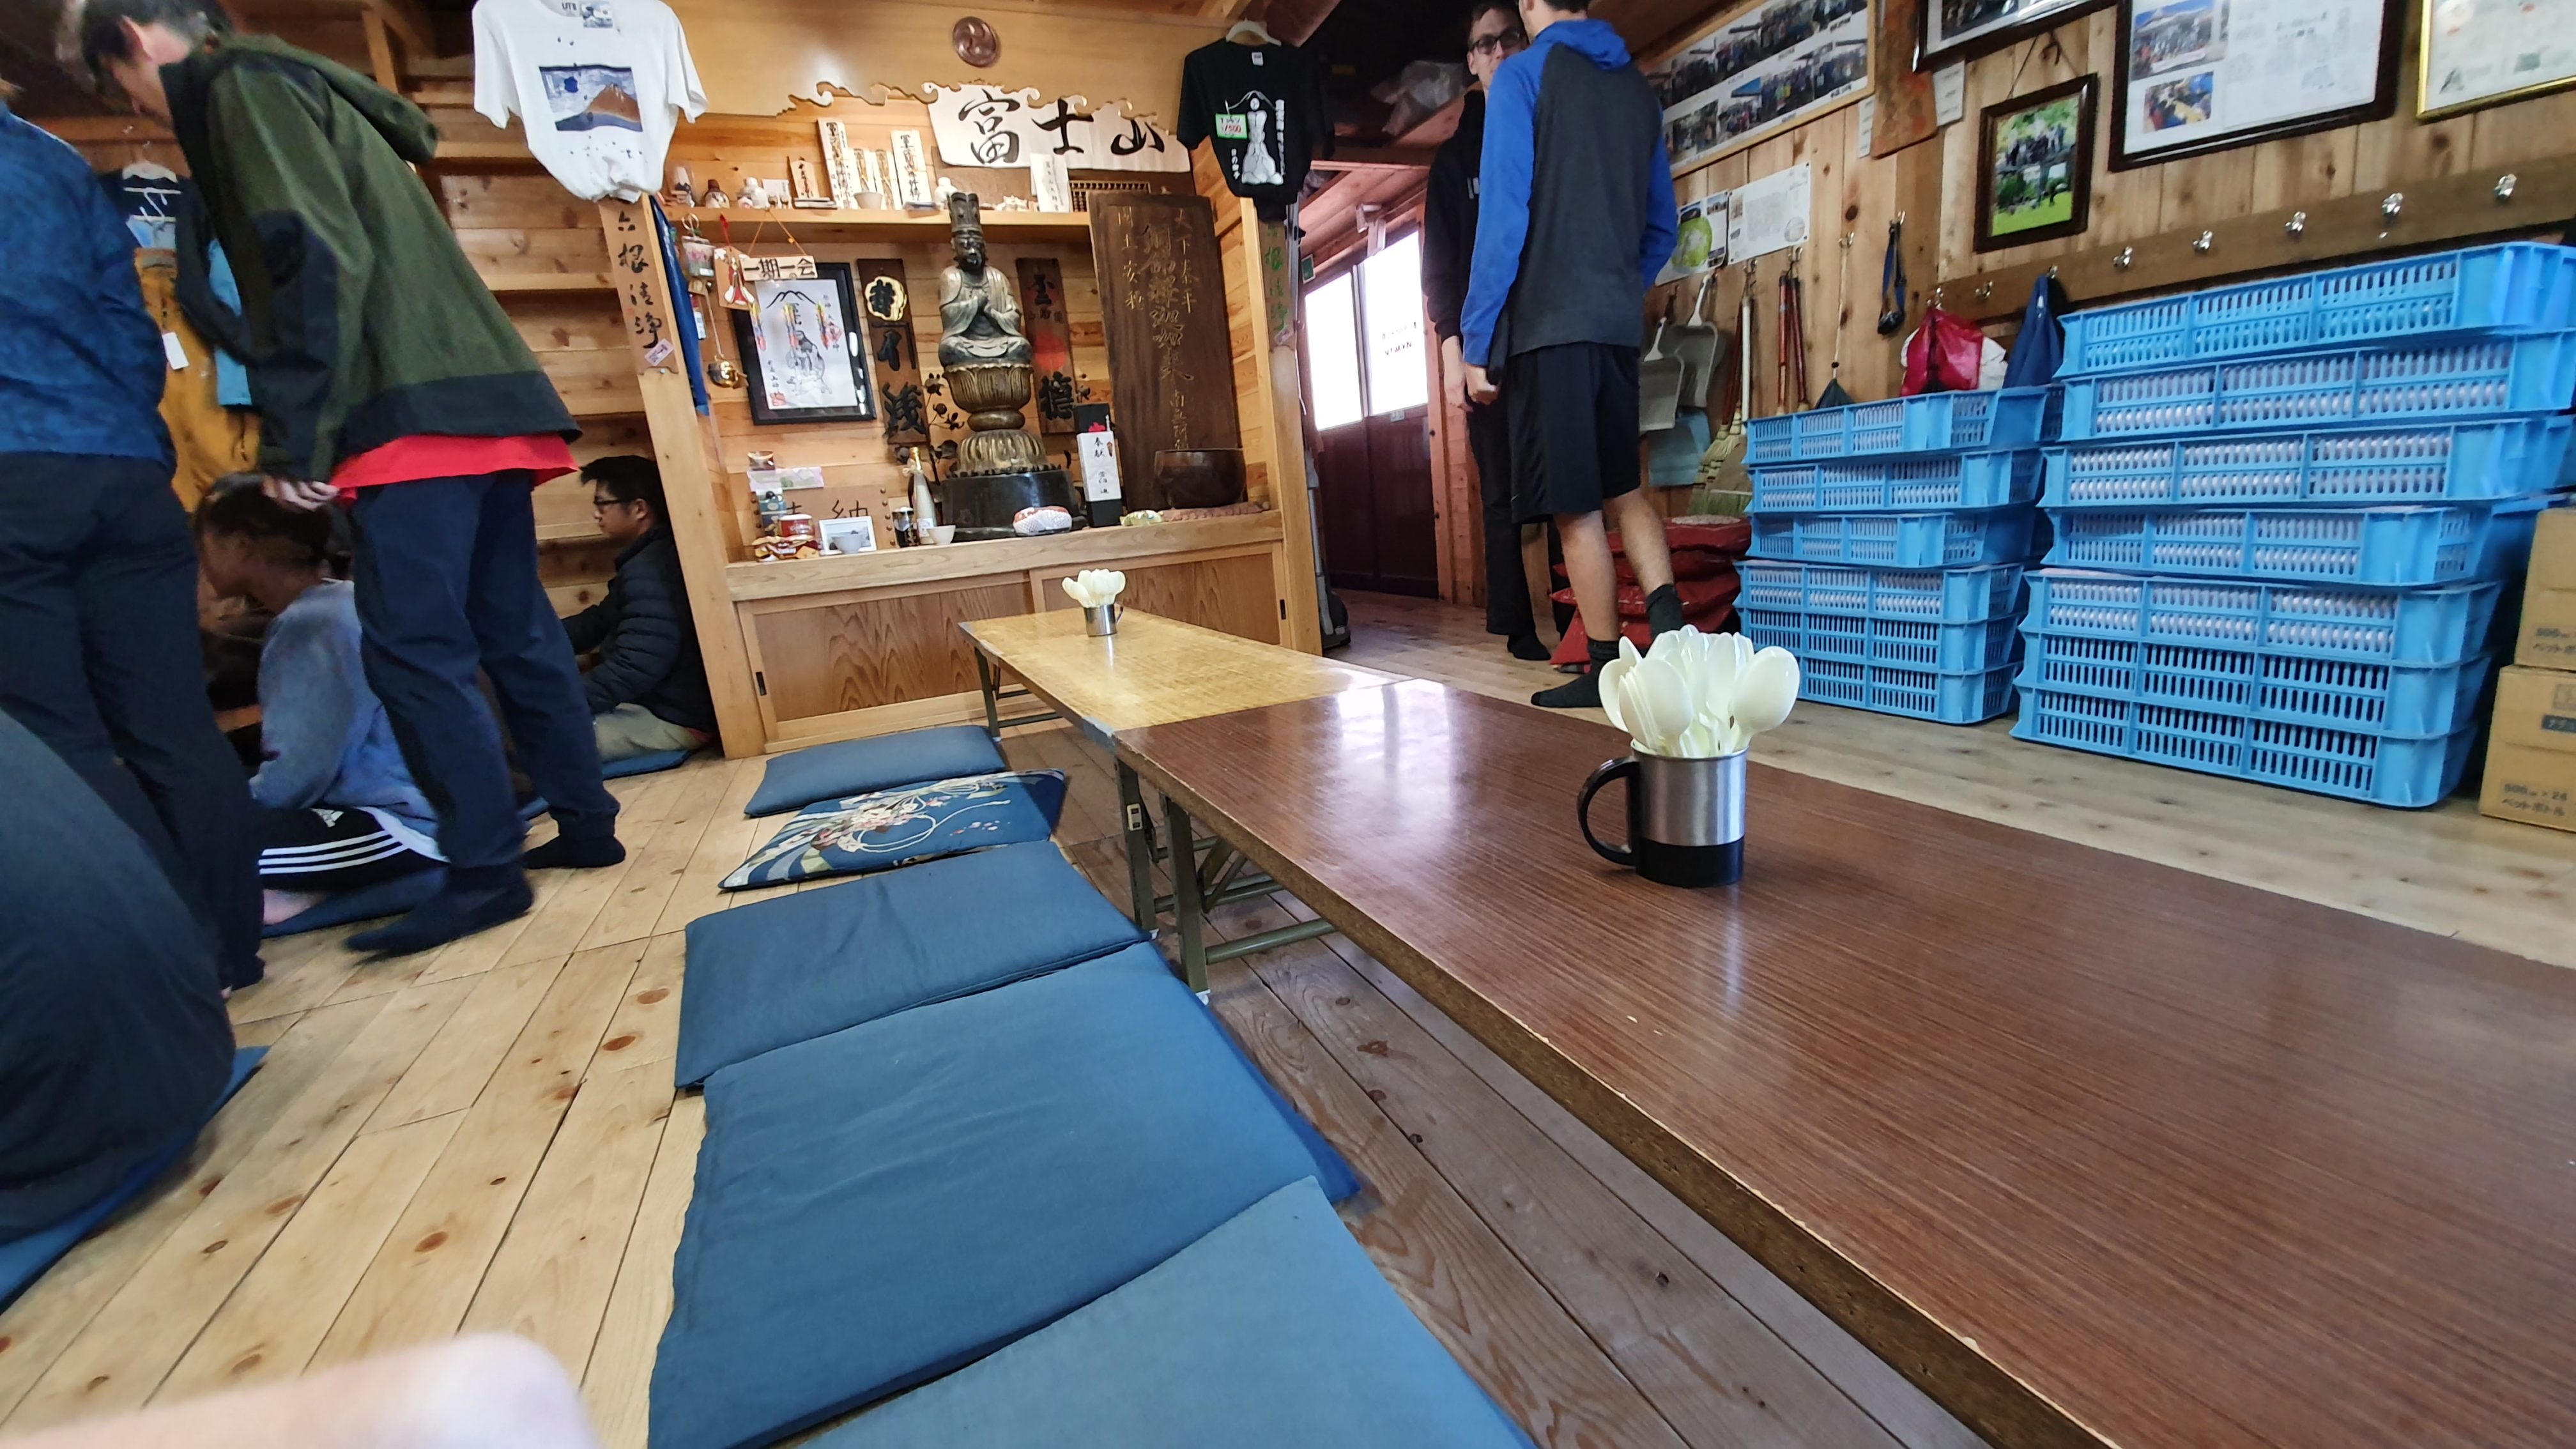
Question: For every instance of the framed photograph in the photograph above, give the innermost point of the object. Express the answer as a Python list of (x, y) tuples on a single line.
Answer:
[(1956, 29), (1766, 67), (2196, 76), (804, 348), (2035, 165), (2480, 53)]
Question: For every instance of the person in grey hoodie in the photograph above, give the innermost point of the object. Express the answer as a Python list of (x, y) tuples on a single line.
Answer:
[(1575, 216), (337, 806)]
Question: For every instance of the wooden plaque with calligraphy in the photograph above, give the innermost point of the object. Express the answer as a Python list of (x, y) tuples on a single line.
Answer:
[(894, 360), (1050, 332), (1162, 314)]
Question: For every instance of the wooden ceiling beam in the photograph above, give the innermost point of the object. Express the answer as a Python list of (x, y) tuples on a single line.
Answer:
[(1374, 158)]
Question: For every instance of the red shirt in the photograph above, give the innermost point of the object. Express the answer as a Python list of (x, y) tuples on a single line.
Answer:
[(437, 455)]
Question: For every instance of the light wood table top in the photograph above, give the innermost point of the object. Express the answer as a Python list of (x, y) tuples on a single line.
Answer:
[(1153, 670), (2097, 1151)]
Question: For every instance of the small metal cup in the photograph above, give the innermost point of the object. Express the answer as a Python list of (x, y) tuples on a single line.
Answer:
[(1685, 818), (1101, 620)]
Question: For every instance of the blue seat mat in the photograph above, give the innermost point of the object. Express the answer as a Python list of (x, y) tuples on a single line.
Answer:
[(792, 968), (883, 829), (366, 903), (653, 763), (1272, 1332), (855, 767), (24, 1260), (876, 1207)]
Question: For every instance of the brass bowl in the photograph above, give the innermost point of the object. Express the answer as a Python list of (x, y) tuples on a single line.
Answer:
[(1200, 477)]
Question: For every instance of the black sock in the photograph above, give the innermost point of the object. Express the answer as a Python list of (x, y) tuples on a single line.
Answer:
[(576, 852), (1525, 645), (1583, 691), (471, 901), (1664, 610)]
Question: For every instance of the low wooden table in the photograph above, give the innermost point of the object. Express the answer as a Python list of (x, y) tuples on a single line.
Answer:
[(2096, 1151), (1156, 671)]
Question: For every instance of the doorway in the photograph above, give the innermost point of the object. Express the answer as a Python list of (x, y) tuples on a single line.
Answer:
[(1368, 370)]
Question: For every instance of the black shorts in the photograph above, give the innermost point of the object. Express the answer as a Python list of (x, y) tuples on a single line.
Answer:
[(1573, 409), (330, 849)]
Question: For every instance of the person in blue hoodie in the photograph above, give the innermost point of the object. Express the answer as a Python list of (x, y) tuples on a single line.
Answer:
[(99, 656), (337, 806), (1575, 219)]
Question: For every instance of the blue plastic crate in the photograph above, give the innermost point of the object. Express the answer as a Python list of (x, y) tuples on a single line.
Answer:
[(1909, 643), (2382, 769), (1897, 540), (2441, 625), (1945, 596), (1958, 480), (2437, 382), (1935, 422), (2458, 462), (1916, 693), (2385, 547), (2415, 700), (2517, 287)]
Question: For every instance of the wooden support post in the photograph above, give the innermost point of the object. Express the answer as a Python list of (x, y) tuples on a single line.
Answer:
[(380, 52), (691, 482)]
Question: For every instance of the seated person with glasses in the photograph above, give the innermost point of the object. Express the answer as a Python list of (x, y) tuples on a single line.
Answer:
[(647, 687)]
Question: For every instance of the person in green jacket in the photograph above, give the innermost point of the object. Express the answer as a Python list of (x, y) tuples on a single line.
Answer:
[(385, 373)]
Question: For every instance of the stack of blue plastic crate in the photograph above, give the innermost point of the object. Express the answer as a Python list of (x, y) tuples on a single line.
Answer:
[(1888, 545), (2284, 512)]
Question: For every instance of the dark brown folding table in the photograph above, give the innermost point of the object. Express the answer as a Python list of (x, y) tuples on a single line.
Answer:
[(2096, 1151)]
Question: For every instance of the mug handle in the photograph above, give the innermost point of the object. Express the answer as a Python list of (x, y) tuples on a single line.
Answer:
[(1619, 769)]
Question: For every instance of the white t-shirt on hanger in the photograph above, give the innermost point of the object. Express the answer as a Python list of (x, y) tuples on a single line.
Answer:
[(597, 83)]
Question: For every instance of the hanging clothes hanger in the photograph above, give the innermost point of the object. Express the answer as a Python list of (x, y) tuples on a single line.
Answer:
[(143, 170), (1251, 32)]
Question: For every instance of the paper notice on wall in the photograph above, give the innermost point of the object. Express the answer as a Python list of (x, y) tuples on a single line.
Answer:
[(1700, 240), (1864, 124), (1050, 184), (1950, 93), (1770, 214), (991, 126)]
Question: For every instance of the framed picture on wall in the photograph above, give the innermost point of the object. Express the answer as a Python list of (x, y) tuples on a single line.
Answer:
[(2035, 165), (805, 350), (1956, 29), (2196, 76), (1765, 67), (2480, 53)]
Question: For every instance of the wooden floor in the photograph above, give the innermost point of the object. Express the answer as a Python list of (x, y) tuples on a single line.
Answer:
[(488, 1138)]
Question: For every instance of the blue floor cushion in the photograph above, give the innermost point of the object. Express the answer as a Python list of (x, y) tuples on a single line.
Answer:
[(366, 903), (794, 967), (879, 1206), (855, 767), (1272, 1332), (894, 827), (653, 763), (24, 1260)]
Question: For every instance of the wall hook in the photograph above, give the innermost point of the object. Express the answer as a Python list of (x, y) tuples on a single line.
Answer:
[(2120, 263), (2391, 205), (2504, 187), (2203, 242), (2296, 227)]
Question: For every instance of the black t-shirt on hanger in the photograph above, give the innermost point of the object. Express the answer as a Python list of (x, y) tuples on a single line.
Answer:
[(1262, 106)]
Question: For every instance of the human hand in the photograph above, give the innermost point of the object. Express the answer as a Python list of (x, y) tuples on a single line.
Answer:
[(302, 495), (1481, 386), (1453, 372)]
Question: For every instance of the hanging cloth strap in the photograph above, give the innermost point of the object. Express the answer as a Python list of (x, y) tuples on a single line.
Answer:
[(1891, 283)]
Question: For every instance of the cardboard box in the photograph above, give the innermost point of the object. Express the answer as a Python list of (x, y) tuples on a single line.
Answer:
[(2531, 751), (2549, 595)]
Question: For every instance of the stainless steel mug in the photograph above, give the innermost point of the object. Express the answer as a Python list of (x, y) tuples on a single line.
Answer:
[(1100, 620), (1685, 818)]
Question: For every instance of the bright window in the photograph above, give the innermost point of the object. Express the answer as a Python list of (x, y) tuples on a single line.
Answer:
[(1399, 368), (1333, 353)]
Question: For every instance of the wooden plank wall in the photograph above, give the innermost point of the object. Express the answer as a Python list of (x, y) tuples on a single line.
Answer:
[(1932, 183)]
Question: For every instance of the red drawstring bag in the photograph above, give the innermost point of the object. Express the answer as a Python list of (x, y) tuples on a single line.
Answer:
[(1943, 355)]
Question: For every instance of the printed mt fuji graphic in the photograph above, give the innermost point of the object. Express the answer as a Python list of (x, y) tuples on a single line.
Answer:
[(592, 97)]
